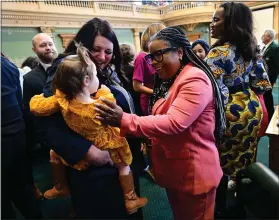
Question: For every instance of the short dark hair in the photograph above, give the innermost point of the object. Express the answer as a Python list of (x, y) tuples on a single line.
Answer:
[(203, 43), (127, 52), (31, 62), (87, 34), (238, 24)]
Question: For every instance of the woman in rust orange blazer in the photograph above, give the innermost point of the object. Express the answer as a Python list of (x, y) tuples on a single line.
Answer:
[(187, 119)]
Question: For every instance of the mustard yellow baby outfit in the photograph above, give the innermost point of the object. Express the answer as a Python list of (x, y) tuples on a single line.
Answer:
[(81, 118)]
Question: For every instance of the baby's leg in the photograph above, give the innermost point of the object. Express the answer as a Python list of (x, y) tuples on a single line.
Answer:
[(60, 188), (123, 169), (132, 201), (54, 157)]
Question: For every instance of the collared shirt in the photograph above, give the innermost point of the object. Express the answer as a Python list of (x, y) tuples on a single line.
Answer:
[(265, 47), (45, 65)]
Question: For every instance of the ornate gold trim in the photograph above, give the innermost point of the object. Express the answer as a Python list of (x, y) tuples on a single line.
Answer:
[(194, 36), (66, 38), (190, 27)]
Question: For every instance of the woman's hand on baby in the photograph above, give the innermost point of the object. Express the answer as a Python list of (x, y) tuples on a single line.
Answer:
[(97, 157), (109, 113)]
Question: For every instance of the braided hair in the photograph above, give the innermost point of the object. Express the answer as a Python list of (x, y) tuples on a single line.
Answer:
[(175, 37)]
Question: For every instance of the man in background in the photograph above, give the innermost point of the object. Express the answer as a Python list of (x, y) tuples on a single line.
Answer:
[(270, 53), (33, 83)]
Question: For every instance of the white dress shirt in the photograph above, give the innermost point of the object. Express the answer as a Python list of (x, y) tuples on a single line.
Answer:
[(265, 47), (45, 65)]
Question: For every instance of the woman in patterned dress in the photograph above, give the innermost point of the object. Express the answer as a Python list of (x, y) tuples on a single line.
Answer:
[(231, 60)]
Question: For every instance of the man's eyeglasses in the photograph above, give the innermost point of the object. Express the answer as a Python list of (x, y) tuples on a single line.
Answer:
[(158, 55)]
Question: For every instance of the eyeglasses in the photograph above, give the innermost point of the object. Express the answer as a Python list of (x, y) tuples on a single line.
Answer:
[(158, 55)]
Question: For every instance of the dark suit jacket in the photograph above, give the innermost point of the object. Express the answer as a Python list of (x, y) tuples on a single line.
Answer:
[(33, 84), (271, 57)]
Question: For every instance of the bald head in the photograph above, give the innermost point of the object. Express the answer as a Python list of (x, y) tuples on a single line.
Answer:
[(43, 46), (39, 37)]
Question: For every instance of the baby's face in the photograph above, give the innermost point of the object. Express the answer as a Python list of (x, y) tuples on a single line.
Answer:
[(94, 83)]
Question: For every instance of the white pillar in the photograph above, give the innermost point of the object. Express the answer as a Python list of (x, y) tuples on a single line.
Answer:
[(136, 32)]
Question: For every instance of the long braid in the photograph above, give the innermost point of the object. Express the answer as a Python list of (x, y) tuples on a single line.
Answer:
[(220, 124), (176, 38)]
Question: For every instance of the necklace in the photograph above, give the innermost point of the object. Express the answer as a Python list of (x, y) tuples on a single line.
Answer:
[(161, 88)]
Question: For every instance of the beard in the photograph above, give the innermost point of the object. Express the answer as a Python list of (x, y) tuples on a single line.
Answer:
[(47, 58)]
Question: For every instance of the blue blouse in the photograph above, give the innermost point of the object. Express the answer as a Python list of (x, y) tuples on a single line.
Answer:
[(230, 70)]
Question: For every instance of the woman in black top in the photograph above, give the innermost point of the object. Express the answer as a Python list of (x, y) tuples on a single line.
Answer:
[(127, 67), (96, 192)]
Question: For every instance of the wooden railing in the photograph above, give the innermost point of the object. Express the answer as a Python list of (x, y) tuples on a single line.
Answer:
[(79, 4), (180, 6), (114, 6)]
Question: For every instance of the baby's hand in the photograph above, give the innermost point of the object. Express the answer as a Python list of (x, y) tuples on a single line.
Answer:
[(105, 87)]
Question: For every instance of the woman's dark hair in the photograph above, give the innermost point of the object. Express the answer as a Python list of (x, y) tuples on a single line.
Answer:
[(127, 52), (238, 29), (203, 43), (87, 34), (176, 38), (31, 62)]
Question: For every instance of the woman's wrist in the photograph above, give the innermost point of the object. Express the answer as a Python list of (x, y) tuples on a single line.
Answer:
[(123, 124), (146, 90)]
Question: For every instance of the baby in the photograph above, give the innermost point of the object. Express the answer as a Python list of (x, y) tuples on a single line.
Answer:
[(74, 82)]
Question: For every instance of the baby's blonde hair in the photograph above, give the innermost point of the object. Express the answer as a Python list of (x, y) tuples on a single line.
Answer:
[(71, 72)]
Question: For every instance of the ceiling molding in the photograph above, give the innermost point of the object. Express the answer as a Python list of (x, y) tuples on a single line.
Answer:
[(66, 38), (190, 27), (36, 14), (190, 20), (22, 19)]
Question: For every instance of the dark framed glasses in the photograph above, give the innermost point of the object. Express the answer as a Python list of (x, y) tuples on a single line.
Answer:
[(158, 55)]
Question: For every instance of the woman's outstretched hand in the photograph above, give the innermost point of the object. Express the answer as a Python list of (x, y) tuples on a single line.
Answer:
[(110, 113)]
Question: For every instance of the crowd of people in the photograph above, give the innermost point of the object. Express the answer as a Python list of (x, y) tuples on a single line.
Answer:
[(197, 110)]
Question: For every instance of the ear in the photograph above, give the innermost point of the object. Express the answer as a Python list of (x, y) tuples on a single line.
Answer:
[(180, 53), (86, 81), (34, 50)]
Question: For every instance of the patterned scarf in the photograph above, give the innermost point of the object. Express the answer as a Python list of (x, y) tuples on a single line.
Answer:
[(161, 88)]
